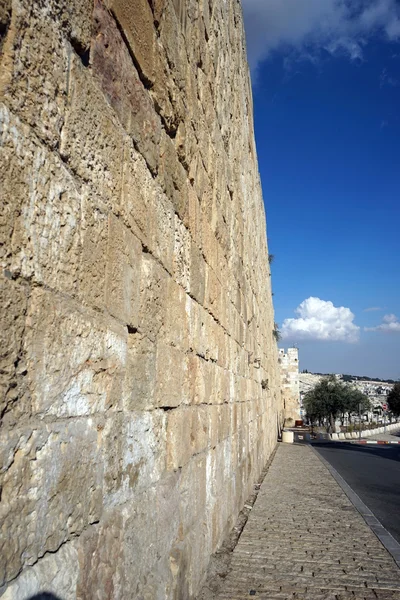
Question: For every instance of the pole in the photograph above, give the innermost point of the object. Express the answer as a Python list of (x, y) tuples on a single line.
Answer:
[(359, 420), (384, 421)]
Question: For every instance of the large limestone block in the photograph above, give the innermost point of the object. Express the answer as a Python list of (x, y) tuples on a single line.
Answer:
[(200, 434), (136, 21), (197, 273), (221, 391), (42, 209), (167, 96), (153, 294), (118, 78), (204, 333), (101, 555), (151, 532), (185, 141), (130, 552), (209, 245), (34, 70), (93, 259), (201, 379), (191, 218), (198, 175), (13, 390), (172, 40), (140, 374), (123, 273), (172, 377), (172, 175), (176, 323), (92, 141), (75, 359), (51, 489), (179, 440), (192, 492), (134, 446), (213, 293), (182, 255), (161, 229), (146, 209), (137, 191), (56, 573)]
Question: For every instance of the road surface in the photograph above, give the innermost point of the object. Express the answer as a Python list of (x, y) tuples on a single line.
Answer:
[(373, 472)]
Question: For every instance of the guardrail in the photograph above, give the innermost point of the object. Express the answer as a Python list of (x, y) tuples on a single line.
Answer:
[(366, 433)]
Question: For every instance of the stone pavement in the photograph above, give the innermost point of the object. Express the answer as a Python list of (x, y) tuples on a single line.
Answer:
[(304, 540)]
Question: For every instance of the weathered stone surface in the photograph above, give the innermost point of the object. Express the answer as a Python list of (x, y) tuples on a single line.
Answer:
[(120, 82), (42, 209), (172, 381), (182, 255), (179, 437), (135, 296), (13, 389), (92, 141), (123, 273), (101, 560), (140, 375), (137, 23), (172, 175), (91, 380), (93, 260), (60, 571), (5, 19), (34, 71), (53, 480), (154, 512), (135, 454), (153, 290)]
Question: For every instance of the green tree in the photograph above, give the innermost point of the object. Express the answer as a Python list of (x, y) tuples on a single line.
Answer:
[(394, 399), (331, 399)]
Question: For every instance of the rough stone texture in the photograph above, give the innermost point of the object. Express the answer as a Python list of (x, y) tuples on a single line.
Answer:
[(289, 367), (304, 540), (140, 389)]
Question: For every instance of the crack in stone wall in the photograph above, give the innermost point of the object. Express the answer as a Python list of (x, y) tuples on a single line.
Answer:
[(137, 319)]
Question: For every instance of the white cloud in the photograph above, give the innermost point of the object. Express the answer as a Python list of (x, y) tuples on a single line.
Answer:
[(309, 26), (321, 320), (390, 318), (390, 324), (372, 308)]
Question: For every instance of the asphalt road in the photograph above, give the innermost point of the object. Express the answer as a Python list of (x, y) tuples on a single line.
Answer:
[(373, 472)]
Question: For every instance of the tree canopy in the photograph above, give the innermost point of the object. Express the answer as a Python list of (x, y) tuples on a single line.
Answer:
[(394, 399), (331, 398)]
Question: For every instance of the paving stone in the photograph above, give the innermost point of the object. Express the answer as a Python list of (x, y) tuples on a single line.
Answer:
[(304, 540)]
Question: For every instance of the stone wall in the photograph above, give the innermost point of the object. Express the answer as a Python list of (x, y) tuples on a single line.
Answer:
[(140, 391), (289, 367)]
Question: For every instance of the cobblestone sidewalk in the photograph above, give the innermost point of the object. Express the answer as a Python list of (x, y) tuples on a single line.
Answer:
[(304, 540)]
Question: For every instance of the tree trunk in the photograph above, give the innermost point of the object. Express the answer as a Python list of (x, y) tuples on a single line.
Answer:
[(332, 423)]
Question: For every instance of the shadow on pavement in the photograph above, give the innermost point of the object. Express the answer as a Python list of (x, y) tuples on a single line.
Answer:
[(388, 451)]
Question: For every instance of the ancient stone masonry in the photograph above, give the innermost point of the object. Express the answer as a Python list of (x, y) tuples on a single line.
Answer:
[(289, 367), (140, 390)]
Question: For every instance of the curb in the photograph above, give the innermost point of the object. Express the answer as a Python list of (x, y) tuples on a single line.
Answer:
[(371, 442), (386, 538)]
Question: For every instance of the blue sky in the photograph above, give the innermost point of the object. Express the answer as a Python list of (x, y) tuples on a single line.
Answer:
[(326, 91)]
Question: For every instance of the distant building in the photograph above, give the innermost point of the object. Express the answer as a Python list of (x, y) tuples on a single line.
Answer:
[(289, 366)]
